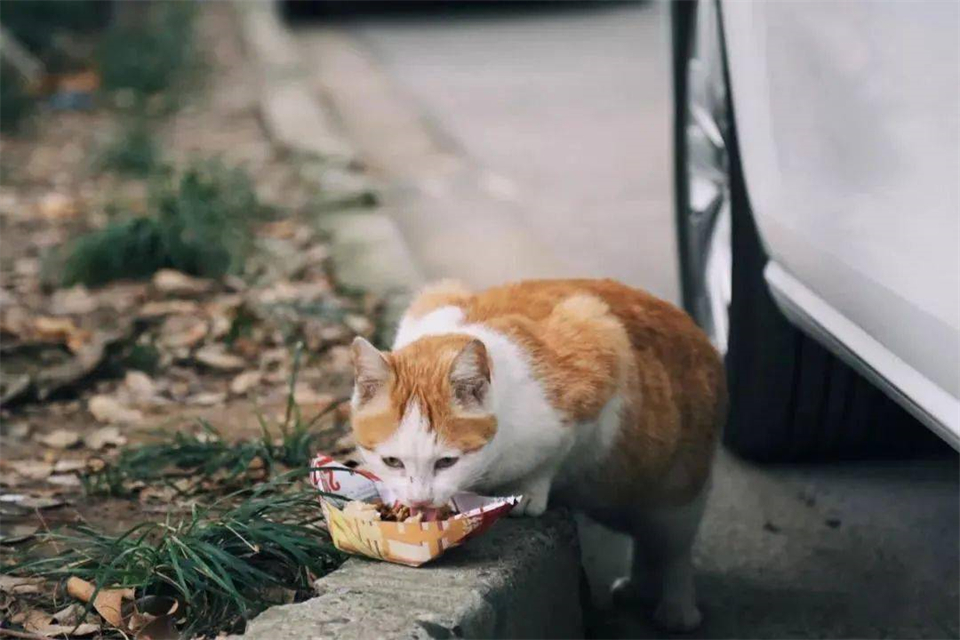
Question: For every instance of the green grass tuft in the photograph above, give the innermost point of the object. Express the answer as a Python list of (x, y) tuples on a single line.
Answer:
[(200, 224), (149, 55), (129, 249), (224, 563), (209, 455), (288, 445)]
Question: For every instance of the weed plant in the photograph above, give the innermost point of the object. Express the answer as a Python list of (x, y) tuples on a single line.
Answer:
[(151, 55), (291, 444), (230, 557), (224, 563), (200, 222)]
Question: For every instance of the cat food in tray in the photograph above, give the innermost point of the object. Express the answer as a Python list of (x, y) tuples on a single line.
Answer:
[(368, 522)]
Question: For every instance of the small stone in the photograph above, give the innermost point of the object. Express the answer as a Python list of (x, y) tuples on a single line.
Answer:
[(61, 439), (175, 283), (108, 409), (216, 357), (245, 382)]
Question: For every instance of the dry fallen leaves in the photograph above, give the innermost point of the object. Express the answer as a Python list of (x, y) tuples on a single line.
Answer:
[(108, 602), (182, 330), (175, 283), (207, 398), (148, 618), (57, 206), (69, 466), (18, 585), (140, 385), (60, 329), (108, 409), (73, 301), (32, 502), (61, 439), (216, 357), (162, 308), (105, 437), (65, 480), (244, 382), (32, 469), (46, 624)]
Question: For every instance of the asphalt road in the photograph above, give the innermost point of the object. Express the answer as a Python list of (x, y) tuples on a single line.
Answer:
[(564, 110)]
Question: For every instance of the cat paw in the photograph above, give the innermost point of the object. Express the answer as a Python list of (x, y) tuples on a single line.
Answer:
[(677, 616), (531, 505)]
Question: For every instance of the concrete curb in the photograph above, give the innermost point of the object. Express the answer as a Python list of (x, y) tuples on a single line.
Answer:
[(369, 253), (289, 110), (520, 579)]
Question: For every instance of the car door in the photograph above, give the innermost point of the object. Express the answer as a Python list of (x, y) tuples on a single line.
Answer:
[(847, 117)]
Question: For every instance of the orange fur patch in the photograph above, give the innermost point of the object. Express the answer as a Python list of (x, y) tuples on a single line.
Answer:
[(421, 371), (588, 341), (373, 426), (445, 293)]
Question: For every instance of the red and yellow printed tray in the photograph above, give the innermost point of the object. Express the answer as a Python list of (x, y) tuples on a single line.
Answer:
[(413, 543)]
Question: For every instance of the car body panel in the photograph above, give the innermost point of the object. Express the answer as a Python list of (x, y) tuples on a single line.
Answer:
[(848, 121), (926, 401)]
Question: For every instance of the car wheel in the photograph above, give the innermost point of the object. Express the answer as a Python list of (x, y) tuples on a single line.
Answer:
[(790, 399)]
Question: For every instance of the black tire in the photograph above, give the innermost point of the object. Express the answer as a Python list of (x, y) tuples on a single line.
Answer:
[(790, 399)]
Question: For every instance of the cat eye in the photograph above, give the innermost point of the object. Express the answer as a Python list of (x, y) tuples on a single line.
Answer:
[(393, 463), (445, 463)]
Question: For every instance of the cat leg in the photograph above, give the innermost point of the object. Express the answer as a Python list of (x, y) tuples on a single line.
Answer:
[(663, 567)]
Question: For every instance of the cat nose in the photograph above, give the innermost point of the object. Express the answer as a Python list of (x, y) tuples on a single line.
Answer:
[(419, 503)]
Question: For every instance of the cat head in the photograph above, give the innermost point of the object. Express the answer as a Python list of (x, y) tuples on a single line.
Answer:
[(422, 415)]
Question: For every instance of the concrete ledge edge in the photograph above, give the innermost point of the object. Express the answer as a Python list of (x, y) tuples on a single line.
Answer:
[(521, 579)]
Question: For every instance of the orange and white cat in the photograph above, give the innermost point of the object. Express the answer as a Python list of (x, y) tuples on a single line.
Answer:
[(584, 393)]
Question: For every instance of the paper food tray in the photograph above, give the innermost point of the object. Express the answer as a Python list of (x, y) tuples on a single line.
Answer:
[(404, 543)]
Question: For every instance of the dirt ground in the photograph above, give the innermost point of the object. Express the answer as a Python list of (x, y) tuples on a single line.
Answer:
[(89, 370)]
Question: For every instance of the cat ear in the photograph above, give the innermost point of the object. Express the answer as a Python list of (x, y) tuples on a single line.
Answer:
[(370, 370), (470, 375)]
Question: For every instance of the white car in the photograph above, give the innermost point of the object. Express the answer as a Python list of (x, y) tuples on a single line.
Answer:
[(818, 216)]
